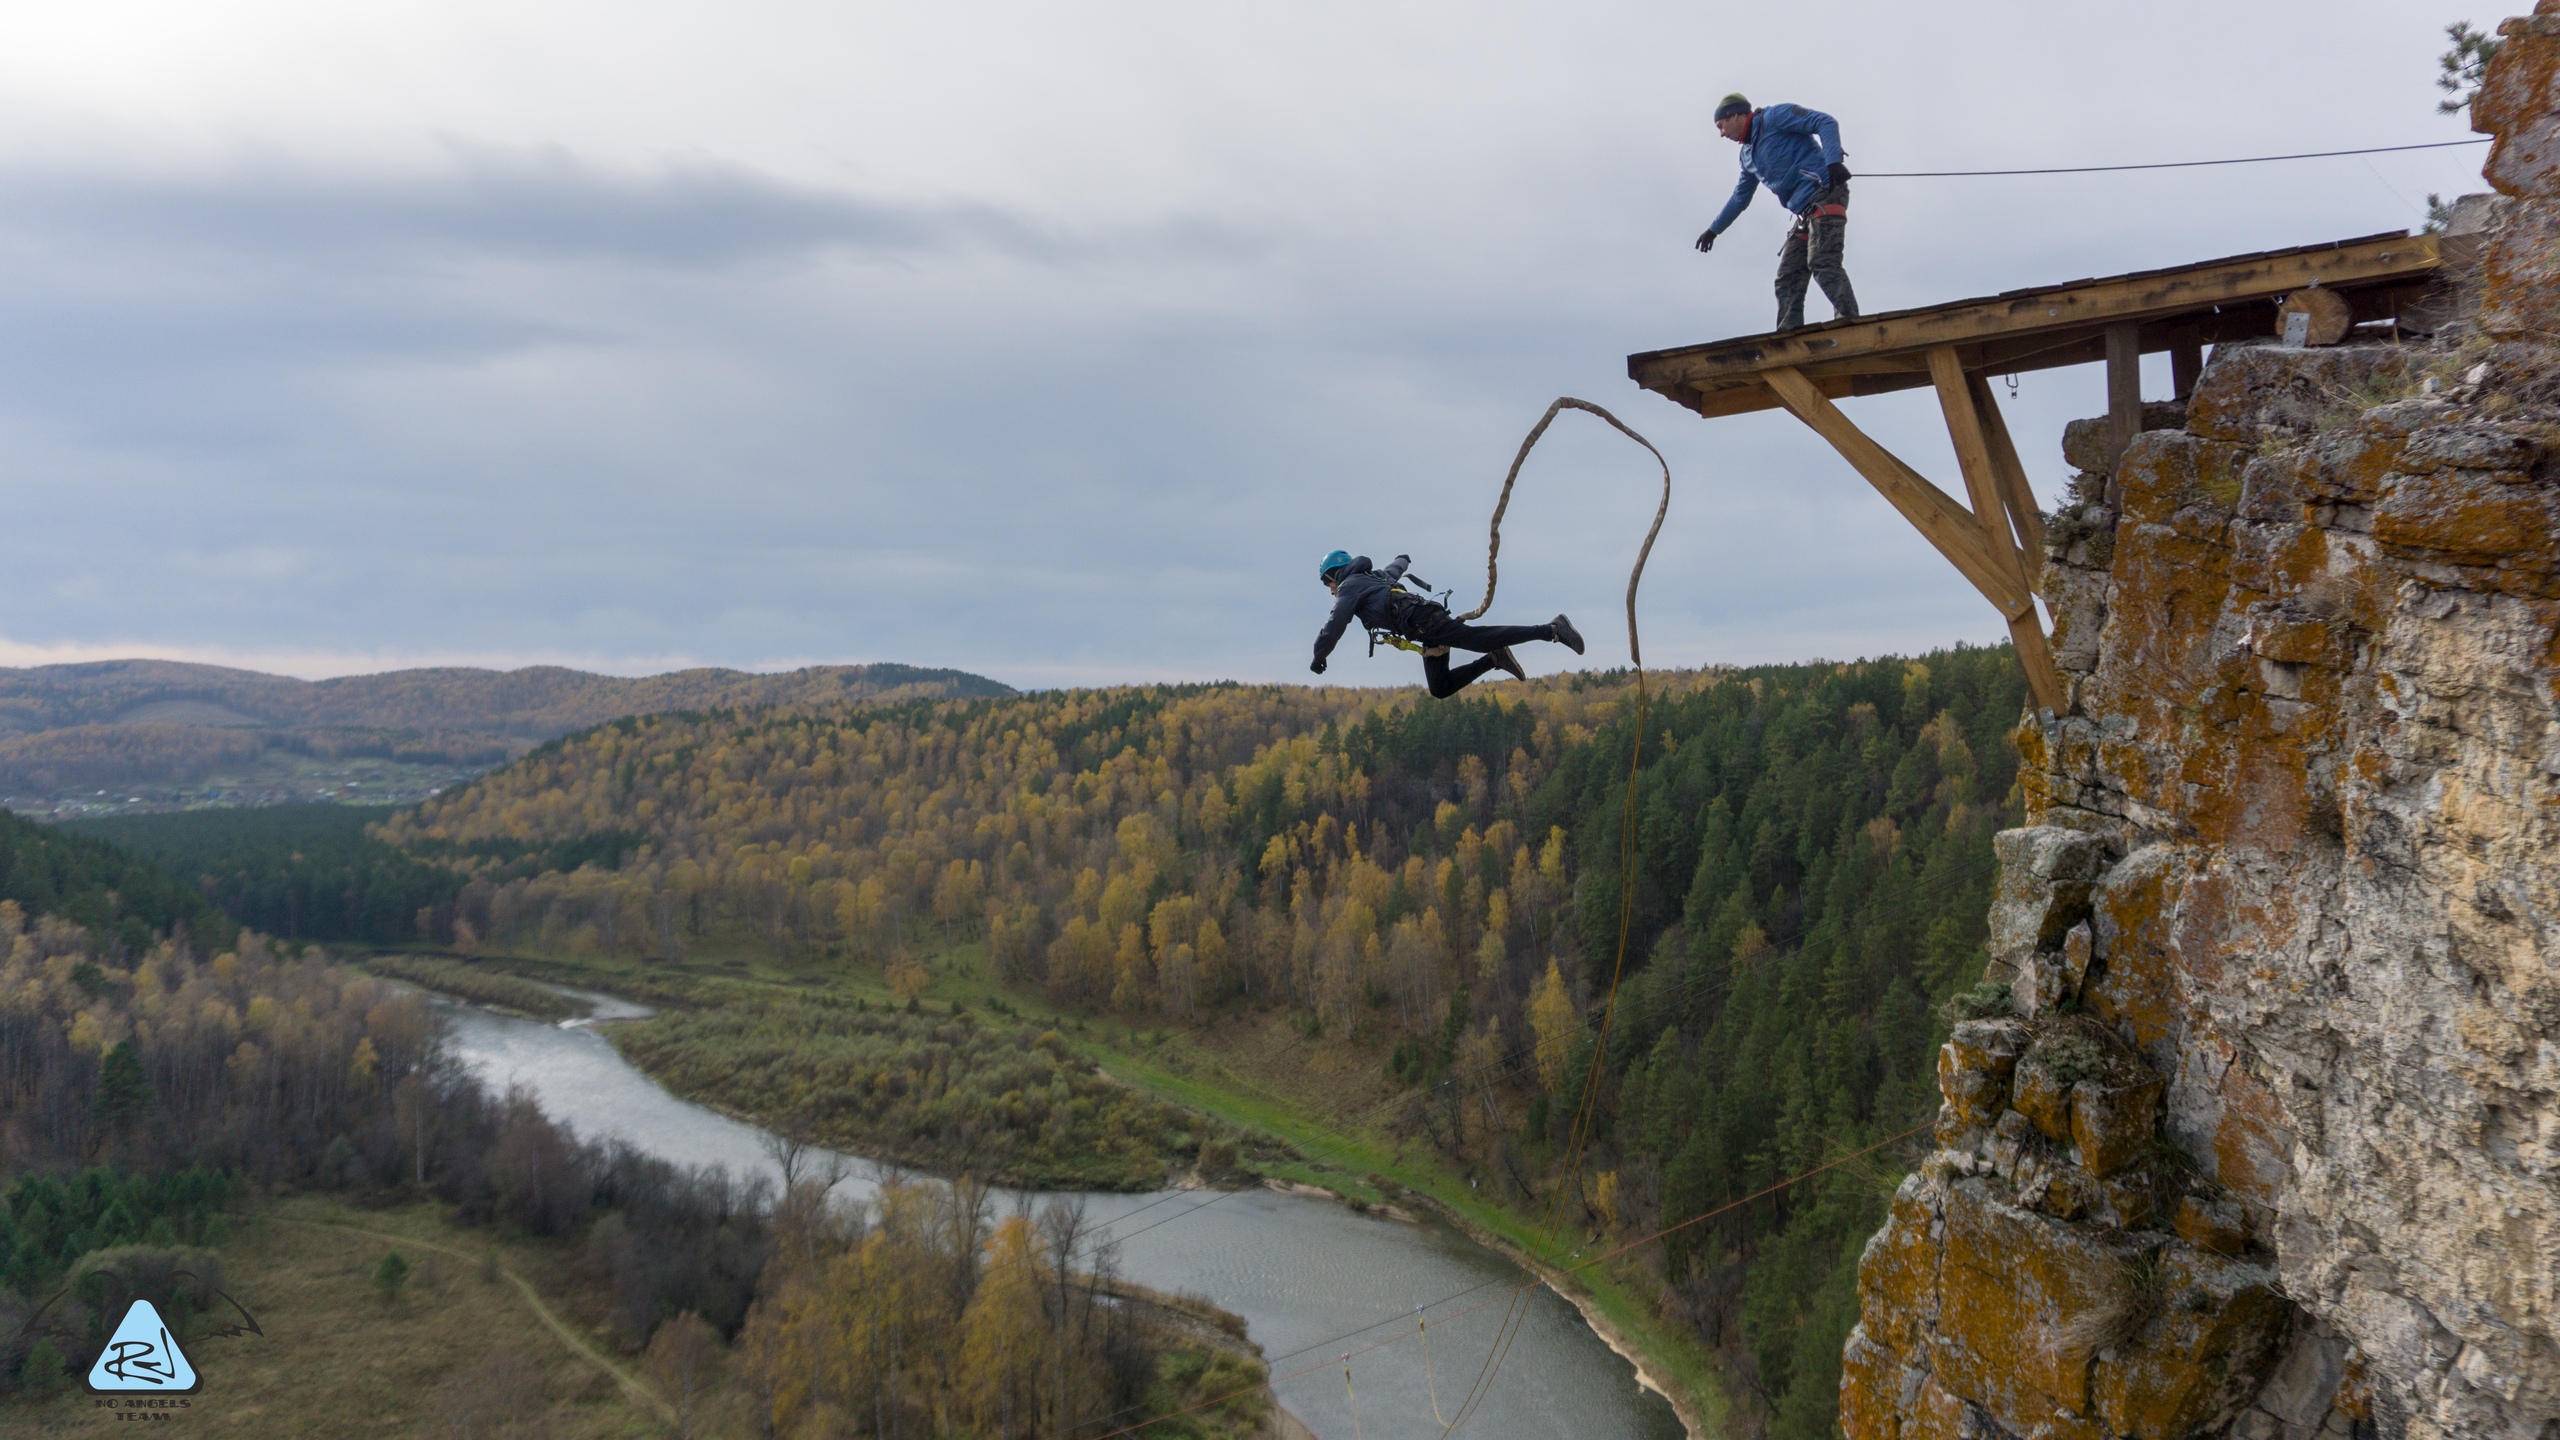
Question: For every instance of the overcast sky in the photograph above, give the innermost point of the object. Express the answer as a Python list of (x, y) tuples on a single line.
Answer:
[(1052, 342)]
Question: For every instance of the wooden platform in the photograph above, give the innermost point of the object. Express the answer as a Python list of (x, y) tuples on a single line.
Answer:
[(1998, 542)]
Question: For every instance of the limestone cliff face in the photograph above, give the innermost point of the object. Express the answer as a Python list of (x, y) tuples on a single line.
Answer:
[(2264, 1139)]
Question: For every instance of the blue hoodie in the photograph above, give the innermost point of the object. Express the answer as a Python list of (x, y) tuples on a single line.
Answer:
[(1791, 150)]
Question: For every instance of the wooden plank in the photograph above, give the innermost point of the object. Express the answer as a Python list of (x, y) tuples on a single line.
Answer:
[(2015, 493), (2161, 295), (2124, 390), (1938, 518), (2008, 355), (1973, 461)]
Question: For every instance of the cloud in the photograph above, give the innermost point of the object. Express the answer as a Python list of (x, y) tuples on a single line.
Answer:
[(1051, 346)]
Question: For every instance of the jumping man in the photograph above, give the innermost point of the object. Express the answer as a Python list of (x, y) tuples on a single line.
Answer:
[(1375, 598), (1796, 153)]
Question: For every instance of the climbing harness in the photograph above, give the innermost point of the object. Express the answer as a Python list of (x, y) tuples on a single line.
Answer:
[(1416, 605)]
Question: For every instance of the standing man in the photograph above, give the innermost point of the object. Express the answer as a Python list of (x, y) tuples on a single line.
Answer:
[(1796, 153)]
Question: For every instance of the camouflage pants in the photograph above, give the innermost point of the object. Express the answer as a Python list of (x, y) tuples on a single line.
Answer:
[(1812, 252)]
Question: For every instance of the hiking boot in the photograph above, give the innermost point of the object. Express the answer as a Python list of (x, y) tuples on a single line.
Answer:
[(1566, 635), (1509, 664)]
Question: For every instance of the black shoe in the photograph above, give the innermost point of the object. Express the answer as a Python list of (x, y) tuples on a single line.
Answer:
[(1509, 664), (1569, 637)]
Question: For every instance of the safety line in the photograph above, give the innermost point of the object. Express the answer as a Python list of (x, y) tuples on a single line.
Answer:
[(1423, 1328), (2161, 165), (1534, 1281), (1586, 1111)]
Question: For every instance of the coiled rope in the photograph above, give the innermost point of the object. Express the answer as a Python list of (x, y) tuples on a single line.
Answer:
[(1493, 546)]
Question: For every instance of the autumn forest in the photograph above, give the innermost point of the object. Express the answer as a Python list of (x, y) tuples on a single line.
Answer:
[(933, 930)]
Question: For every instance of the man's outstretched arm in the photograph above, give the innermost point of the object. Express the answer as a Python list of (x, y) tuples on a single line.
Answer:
[(1739, 202), (1334, 625)]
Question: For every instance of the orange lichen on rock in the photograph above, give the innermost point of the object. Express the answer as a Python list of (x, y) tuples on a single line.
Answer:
[(2270, 1144)]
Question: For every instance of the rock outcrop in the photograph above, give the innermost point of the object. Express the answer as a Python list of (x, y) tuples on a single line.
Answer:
[(2257, 1132)]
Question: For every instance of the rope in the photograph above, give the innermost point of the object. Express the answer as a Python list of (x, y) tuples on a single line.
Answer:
[(2161, 165), (1430, 1385), (1493, 549), (1586, 1109), (1354, 1399)]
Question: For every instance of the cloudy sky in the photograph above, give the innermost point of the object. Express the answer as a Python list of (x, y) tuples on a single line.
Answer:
[(1053, 342)]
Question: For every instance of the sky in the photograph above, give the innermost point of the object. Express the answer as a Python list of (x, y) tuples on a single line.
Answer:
[(1055, 343)]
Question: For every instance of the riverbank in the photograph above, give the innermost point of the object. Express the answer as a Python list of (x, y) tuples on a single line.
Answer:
[(1250, 1078), (1373, 1173)]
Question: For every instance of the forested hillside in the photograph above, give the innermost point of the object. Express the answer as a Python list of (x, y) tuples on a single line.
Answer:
[(148, 1091), (297, 872), (122, 736), (1434, 885), (120, 901)]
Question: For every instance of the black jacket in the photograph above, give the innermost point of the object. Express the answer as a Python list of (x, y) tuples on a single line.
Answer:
[(1364, 593)]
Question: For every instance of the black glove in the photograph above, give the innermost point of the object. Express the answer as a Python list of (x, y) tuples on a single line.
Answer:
[(1706, 241), (1318, 665), (1839, 174)]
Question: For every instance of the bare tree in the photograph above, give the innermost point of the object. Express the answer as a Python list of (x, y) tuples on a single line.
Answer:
[(788, 1147)]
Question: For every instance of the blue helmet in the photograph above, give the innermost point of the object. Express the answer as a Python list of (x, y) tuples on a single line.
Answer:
[(1338, 560)]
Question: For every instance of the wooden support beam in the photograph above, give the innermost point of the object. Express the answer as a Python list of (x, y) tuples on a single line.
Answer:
[(1967, 428), (1939, 519), (2124, 392), (2015, 492), (2186, 364), (1973, 461)]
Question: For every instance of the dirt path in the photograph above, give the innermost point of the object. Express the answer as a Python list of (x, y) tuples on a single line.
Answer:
[(631, 1385)]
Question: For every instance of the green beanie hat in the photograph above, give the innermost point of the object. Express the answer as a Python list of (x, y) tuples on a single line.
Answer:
[(1731, 106)]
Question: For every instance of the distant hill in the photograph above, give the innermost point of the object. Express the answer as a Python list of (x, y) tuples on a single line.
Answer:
[(116, 735), (537, 702)]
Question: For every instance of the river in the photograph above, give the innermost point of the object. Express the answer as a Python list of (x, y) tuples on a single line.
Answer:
[(1311, 1278)]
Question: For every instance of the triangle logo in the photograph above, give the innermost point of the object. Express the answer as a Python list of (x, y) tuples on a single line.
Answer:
[(143, 1358)]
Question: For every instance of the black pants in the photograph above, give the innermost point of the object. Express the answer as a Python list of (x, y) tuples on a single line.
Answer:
[(1812, 253), (1437, 627)]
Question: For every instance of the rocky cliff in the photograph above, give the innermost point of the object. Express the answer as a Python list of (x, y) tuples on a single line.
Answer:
[(2262, 1136)]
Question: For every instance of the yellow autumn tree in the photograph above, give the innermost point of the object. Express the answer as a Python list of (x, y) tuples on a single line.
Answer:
[(1003, 1334), (1557, 1025)]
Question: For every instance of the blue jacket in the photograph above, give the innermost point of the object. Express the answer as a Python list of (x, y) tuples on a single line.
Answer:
[(1791, 150)]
